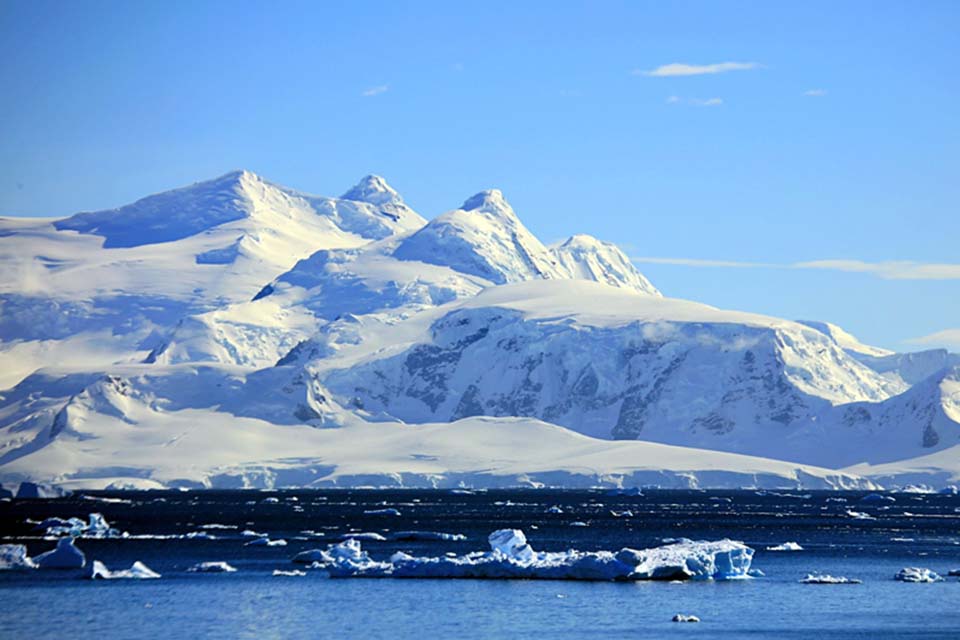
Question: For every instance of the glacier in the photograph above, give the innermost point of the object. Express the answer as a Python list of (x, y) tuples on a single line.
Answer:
[(276, 331)]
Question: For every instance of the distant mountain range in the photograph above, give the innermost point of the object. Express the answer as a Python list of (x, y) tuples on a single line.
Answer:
[(236, 333)]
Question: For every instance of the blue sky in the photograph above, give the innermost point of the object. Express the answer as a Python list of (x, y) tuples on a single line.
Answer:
[(835, 135)]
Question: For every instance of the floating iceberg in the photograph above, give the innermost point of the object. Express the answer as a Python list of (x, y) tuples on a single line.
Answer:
[(916, 574), (137, 571), (382, 512), (14, 556), (427, 535), (786, 546), (823, 578), (64, 556), (682, 617), (512, 557), (35, 490), (212, 567), (859, 515), (555, 509), (291, 573), (97, 527)]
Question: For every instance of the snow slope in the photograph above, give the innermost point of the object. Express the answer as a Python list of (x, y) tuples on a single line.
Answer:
[(136, 271)]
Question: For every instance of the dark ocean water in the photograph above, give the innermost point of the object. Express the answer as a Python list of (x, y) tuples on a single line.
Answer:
[(916, 530)]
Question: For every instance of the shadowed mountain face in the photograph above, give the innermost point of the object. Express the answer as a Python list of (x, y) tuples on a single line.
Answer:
[(243, 303)]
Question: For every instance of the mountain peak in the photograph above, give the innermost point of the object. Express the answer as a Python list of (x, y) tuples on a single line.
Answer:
[(374, 190), (486, 200)]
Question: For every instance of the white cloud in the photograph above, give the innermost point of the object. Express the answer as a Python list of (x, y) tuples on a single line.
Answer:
[(375, 91), (679, 69), (695, 262), (815, 93), (948, 339), (888, 270), (697, 102)]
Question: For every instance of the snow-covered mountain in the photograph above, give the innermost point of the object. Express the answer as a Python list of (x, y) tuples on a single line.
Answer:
[(239, 333)]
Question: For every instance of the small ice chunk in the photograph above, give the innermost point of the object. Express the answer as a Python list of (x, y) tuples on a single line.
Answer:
[(622, 514), (382, 512), (96, 527), (137, 571), (270, 500), (250, 533), (859, 515), (64, 556), (428, 535), (579, 523), (311, 555), (953, 572), (786, 546), (916, 574), (291, 573), (14, 556), (682, 617), (555, 509), (511, 543), (824, 578), (212, 567)]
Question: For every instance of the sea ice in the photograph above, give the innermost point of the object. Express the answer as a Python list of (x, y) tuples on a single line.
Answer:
[(512, 557), (859, 515), (786, 546), (916, 574), (554, 509), (137, 571), (212, 567), (14, 556), (292, 572), (823, 578), (682, 617), (64, 556), (382, 512)]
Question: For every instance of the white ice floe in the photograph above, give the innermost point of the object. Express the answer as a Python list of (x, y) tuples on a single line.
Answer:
[(824, 578), (917, 574), (877, 498), (96, 527), (554, 509), (682, 617), (382, 512), (137, 571), (512, 557), (859, 515), (786, 546), (291, 573), (212, 567), (363, 535), (266, 542), (14, 556), (64, 556), (427, 535)]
